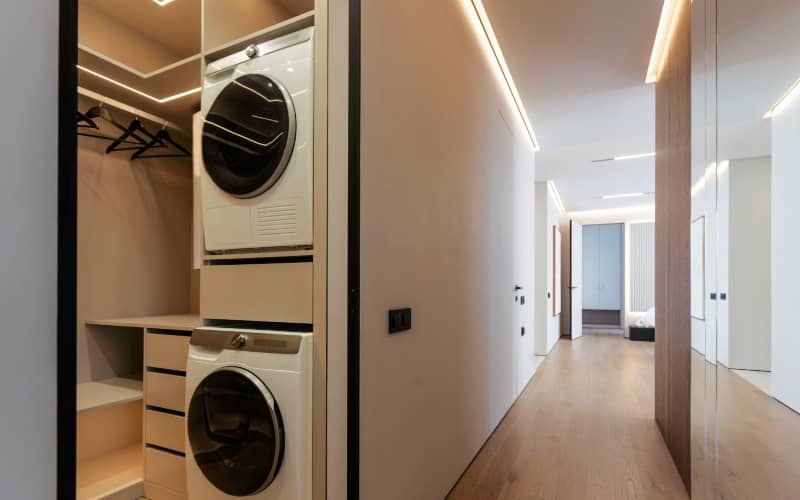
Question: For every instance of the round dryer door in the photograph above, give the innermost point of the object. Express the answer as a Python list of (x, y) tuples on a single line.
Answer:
[(248, 135), (235, 432)]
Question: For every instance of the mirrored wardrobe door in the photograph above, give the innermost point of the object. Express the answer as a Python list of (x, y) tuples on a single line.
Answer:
[(703, 248), (757, 176)]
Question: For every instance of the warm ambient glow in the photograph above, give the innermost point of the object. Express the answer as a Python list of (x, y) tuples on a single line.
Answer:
[(666, 26), (162, 3), (552, 186), (785, 99), (483, 27), (625, 195), (139, 92)]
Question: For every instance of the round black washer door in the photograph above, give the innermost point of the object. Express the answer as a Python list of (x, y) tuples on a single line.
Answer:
[(235, 432), (248, 135)]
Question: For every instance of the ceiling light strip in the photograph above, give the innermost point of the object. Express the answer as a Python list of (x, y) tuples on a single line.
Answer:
[(552, 186), (666, 25), (483, 19), (137, 91), (624, 195), (786, 98)]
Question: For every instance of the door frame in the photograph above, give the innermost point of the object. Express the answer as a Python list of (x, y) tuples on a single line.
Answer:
[(67, 274)]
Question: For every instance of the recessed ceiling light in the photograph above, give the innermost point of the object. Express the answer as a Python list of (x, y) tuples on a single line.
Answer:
[(625, 157), (139, 92), (666, 26), (786, 98), (483, 28), (625, 195), (162, 3), (552, 186)]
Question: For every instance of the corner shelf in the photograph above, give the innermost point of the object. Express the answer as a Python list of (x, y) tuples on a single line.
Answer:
[(111, 473), (109, 392)]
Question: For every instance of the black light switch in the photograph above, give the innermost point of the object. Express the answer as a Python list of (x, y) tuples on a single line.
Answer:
[(399, 320)]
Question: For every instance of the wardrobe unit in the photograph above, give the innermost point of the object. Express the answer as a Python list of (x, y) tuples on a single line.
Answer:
[(145, 280)]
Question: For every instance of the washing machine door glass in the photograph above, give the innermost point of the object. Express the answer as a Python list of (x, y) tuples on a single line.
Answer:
[(235, 432), (248, 135)]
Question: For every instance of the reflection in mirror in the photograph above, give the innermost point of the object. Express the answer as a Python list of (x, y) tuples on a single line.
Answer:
[(758, 352), (703, 238)]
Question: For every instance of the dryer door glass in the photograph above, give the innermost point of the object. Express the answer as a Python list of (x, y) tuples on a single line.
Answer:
[(235, 432), (248, 135)]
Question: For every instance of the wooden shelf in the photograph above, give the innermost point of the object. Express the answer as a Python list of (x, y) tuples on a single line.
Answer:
[(108, 392), (291, 25), (183, 322), (115, 472)]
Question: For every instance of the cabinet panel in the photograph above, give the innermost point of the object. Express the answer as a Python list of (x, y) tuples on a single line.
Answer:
[(165, 430), (165, 469), (164, 391), (280, 293), (166, 351)]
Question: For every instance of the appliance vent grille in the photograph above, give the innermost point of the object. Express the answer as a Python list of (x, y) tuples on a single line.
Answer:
[(276, 220)]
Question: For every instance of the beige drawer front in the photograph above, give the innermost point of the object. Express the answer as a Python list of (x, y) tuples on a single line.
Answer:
[(280, 293), (165, 470), (156, 492), (164, 391), (166, 351), (165, 430)]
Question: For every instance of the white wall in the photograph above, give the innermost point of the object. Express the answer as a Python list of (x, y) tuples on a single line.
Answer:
[(547, 331), (642, 266), (785, 251), (28, 218), (744, 319), (444, 167)]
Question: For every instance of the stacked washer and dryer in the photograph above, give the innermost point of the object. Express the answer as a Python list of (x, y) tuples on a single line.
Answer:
[(248, 393)]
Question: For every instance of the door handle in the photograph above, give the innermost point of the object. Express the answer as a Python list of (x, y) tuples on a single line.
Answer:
[(517, 288), (573, 287)]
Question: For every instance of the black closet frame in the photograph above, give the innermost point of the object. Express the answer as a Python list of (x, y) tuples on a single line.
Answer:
[(67, 274)]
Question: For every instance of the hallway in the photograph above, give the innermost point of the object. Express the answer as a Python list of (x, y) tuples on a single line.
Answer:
[(582, 429)]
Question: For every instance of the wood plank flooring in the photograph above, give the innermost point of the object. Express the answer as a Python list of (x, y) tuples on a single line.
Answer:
[(583, 429)]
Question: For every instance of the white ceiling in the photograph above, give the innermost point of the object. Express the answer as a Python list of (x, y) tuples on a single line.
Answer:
[(580, 66)]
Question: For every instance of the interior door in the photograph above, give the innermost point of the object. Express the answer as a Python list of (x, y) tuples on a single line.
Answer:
[(576, 279)]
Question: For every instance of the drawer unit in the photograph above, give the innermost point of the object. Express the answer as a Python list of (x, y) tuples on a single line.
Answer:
[(156, 492), (166, 350), (164, 390), (165, 469), (165, 430), (271, 292)]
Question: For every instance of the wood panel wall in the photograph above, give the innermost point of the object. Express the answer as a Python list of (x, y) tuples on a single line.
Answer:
[(673, 214)]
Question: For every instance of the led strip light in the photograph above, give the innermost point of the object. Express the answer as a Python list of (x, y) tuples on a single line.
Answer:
[(481, 19), (139, 92), (666, 28)]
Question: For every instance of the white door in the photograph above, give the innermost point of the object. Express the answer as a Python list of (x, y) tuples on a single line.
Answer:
[(524, 272), (576, 279)]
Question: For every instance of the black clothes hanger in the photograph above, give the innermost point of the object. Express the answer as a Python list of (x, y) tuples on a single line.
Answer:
[(135, 126), (164, 138), (85, 121)]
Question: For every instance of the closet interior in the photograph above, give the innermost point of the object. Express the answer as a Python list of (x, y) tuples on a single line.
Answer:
[(141, 249)]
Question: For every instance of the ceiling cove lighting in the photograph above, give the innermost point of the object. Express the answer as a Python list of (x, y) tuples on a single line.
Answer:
[(480, 20), (625, 195), (139, 92), (666, 26), (626, 157), (162, 3), (785, 99), (552, 186)]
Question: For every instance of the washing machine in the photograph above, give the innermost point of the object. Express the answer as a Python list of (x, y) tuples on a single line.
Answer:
[(248, 415), (257, 109)]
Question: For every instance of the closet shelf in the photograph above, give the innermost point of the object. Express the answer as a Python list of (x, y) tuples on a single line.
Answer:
[(293, 24), (112, 473), (279, 254), (109, 392), (183, 322)]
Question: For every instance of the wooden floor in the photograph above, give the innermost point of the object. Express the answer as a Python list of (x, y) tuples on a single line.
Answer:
[(583, 429)]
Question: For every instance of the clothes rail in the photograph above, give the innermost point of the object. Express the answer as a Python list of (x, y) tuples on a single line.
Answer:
[(130, 109)]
